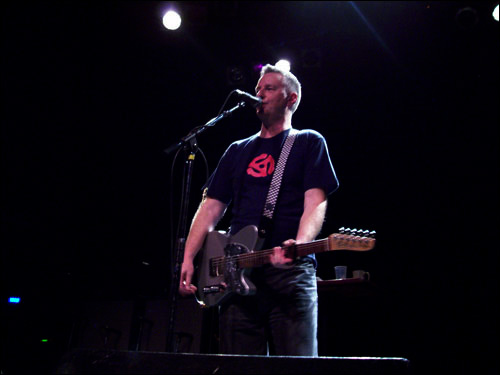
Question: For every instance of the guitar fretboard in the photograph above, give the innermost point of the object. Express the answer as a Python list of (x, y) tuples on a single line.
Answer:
[(259, 258)]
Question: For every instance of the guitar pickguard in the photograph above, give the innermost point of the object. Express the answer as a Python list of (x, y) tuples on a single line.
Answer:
[(216, 281), (234, 275)]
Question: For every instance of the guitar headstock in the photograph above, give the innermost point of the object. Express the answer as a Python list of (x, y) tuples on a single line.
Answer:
[(352, 239)]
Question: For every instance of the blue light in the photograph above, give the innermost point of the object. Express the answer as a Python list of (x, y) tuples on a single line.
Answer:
[(14, 299)]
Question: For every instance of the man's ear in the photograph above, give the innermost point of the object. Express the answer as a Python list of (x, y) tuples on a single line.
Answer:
[(292, 98)]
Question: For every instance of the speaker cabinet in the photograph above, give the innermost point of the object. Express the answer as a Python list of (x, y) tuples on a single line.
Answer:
[(137, 325)]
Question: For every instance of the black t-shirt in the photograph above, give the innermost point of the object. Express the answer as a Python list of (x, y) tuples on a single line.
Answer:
[(245, 170)]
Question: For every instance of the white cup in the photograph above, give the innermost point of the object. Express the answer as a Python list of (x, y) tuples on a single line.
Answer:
[(360, 274)]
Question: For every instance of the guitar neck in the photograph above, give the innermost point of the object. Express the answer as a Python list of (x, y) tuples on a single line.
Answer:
[(335, 241), (259, 258)]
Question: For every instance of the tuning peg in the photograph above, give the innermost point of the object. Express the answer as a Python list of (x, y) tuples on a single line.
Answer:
[(360, 232), (372, 234), (354, 231), (341, 230), (366, 233)]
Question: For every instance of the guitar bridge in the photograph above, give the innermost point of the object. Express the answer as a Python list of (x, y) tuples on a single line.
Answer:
[(213, 289)]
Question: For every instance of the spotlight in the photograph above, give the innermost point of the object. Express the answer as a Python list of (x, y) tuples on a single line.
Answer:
[(495, 13), (283, 65), (172, 20)]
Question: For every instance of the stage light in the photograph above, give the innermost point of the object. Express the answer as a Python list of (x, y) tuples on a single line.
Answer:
[(235, 76), (258, 67), (14, 299), (283, 65), (495, 13), (311, 58), (172, 20), (467, 18)]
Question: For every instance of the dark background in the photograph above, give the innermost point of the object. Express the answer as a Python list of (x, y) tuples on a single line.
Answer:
[(405, 93)]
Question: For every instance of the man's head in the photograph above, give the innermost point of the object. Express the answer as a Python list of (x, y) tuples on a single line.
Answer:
[(290, 84)]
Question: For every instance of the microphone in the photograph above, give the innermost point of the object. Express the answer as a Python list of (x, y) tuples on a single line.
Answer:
[(250, 99)]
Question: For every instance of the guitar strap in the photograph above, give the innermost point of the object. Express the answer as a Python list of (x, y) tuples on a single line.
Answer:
[(265, 226)]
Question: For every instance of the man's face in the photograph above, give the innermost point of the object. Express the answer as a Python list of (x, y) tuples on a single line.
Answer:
[(271, 90)]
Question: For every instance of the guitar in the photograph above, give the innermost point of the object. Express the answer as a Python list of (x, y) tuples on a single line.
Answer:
[(224, 259)]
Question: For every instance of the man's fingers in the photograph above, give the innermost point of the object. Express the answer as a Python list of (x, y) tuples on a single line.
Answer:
[(278, 257)]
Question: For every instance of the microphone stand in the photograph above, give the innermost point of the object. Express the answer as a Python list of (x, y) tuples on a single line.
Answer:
[(191, 147)]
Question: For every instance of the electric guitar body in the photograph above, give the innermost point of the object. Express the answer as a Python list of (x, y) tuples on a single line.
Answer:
[(216, 281)]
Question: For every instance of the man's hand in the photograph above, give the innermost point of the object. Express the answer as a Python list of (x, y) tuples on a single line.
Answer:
[(185, 286), (278, 258)]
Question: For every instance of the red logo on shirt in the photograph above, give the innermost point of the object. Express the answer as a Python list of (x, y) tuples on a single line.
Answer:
[(261, 166)]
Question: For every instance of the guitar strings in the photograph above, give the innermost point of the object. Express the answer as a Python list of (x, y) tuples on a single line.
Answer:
[(261, 255)]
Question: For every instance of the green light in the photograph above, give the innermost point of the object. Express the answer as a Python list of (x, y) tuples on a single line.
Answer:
[(44, 340)]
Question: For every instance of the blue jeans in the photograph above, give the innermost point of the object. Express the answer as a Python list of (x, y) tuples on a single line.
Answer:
[(280, 319)]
